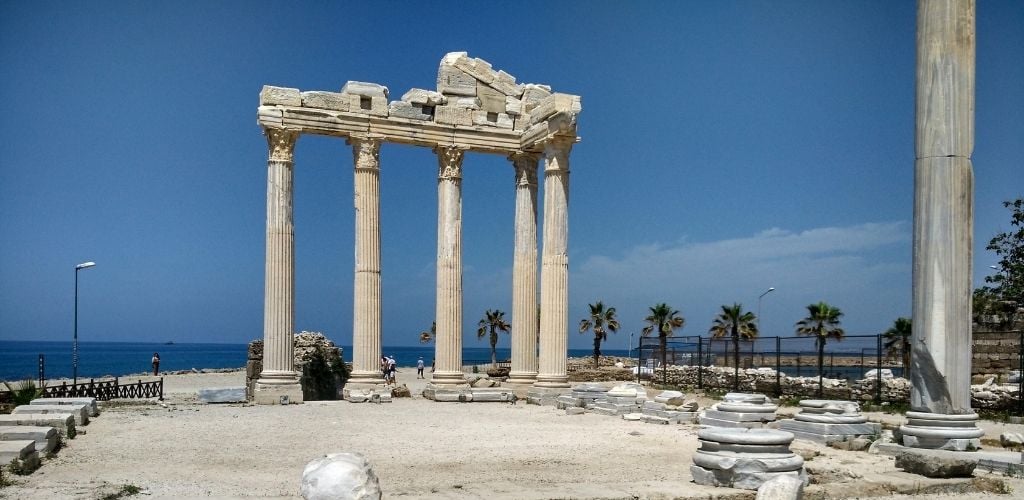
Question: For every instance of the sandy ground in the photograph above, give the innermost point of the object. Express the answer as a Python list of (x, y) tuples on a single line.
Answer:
[(419, 449)]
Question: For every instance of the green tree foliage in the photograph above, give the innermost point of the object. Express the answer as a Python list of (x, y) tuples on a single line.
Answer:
[(428, 335), (491, 324), (736, 324), (601, 321), (822, 322), (24, 392), (663, 320), (897, 342)]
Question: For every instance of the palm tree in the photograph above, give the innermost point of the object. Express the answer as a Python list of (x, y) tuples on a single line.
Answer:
[(492, 322), (898, 340), (735, 323), (664, 320), (600, 320), (426, 336), (822, 322)]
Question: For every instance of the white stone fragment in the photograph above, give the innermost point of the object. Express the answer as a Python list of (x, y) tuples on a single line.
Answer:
[(340, 476), (465, 102), (533, 94), (283, 96), (424, 97), (366, 89), (222, 395), (490, 99), (781, 488), (452, 81), (335, 101), (451, 115)]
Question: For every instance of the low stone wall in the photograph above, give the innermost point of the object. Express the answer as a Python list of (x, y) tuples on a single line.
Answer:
[(763, 380), (995, 353)]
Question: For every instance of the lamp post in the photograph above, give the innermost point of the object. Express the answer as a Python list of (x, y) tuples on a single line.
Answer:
[(74, 347), (759, 297)]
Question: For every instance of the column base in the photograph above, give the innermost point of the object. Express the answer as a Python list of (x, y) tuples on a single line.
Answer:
[(522, 378), (938, 431), (448, 378), (374, 377), (552, 381)]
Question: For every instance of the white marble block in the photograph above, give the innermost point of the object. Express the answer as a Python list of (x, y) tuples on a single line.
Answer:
[(424, 97), (365, 89), (402, 109), (334, 101), (222, 395), (94, 409), (450, 115), (340, 476), (79, 411), (45, 437), (454, 82)]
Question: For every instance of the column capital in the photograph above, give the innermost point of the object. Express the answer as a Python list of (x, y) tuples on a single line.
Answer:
[(525, 165), (556, 151), (365, 151), (281, 143), (449, 162)]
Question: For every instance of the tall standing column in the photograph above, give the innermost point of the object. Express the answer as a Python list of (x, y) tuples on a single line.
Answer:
[(278, 382), (524, 272), (448, 344), (554, 277), (943, 229), (366, 313)]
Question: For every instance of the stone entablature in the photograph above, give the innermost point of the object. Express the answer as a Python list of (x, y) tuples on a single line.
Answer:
[(474, 107)]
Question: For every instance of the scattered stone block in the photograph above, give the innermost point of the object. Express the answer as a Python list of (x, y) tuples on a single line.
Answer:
[(1011, 440), (94, 409), (334, 101), (22, 450), (633, 417), (283, 96), (555, 103), (781, 488), (79, 411), (64, 423), (575, 411), (514, 107), (45, 437), (365, 89), (340, 476), (533, 94), (933, 463), (222, 395)]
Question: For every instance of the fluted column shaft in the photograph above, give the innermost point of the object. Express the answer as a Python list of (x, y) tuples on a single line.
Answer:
[(554, 278), (943, 207), (279, 291), (524, 272), (448, 344), (366, 313)]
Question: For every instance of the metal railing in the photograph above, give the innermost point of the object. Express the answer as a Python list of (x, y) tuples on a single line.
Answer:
[(105, 390)]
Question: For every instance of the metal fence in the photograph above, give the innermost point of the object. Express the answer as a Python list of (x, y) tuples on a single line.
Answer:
[(105, 390), (851, 358)]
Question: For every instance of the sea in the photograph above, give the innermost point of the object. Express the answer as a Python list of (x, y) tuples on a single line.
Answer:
[(20, 360)]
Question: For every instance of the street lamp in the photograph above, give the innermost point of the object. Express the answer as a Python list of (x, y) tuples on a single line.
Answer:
[(74, 348), (759, 297)]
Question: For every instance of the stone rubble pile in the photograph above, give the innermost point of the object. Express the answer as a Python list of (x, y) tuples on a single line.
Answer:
[(469, 93), (622, 399), (740, 410), (628, 400), (305, 344), (669, 407), (826, 421)]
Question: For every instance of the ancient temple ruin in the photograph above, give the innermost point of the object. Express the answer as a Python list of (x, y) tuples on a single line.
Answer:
[(474, 109)]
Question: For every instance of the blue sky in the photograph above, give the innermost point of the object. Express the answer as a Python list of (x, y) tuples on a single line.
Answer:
[(727, 147)]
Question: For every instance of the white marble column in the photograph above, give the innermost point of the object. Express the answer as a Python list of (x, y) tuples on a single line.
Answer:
[(943, 226), (554, 277), (279, 378), (448, 344), (524, 272), (366, 313)]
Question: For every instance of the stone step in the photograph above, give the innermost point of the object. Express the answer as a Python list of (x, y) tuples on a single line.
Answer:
[(80, 411), (94, 409), (24, 450), (64, 423), (45, 437)]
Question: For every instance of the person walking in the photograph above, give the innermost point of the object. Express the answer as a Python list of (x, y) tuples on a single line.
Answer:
[(156, 364), (419, 368)]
